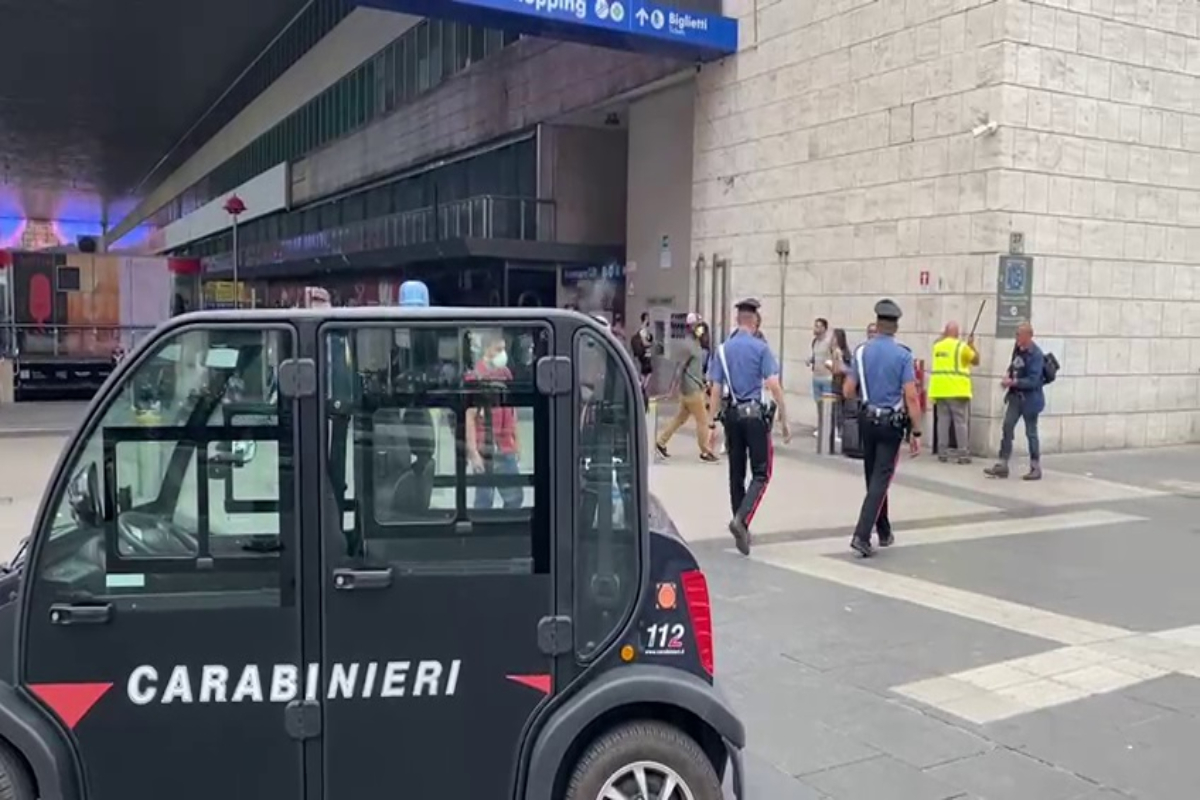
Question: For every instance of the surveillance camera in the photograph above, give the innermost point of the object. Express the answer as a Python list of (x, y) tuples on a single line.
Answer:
[(985, 128)]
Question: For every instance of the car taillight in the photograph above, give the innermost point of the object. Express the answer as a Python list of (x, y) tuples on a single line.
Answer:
[(695, 593)]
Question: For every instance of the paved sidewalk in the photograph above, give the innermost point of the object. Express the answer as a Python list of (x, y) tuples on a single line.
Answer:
[(1021, 640), (40, 419)]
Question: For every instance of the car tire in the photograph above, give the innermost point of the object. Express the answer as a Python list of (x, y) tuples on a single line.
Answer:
[(15, 781), (648, 742)]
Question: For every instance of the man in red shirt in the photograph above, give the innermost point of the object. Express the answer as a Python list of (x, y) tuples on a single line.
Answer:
[(493, 446)]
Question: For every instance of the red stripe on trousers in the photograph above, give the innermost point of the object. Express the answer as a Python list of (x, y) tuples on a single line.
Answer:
[(895, 467), (770, 468)]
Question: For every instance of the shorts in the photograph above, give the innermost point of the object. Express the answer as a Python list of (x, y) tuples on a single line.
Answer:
[(821, 385)]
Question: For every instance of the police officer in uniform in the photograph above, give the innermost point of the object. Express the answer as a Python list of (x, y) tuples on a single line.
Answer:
[(743, 373), (883, 379)]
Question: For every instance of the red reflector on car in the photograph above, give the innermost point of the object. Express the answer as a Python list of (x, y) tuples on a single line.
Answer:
[(695, 594)]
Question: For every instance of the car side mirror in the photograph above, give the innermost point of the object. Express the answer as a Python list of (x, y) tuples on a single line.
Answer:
[(83, 496)]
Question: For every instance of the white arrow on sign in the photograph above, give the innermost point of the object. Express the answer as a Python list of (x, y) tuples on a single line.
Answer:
[(642, 16)]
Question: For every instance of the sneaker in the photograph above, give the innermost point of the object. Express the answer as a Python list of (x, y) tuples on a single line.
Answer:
[(741, 536), (709, 458), (999, 470), (886, 539), (964, 460), (662, 450)]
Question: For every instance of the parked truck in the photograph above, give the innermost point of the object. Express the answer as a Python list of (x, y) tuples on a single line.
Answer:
[(67, 318)]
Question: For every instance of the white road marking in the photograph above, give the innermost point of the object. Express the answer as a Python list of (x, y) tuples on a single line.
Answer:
[(1097, 658), (1181, 487), (1017, 526)]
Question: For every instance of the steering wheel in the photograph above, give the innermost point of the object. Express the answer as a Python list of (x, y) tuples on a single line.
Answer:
[(149, 535)]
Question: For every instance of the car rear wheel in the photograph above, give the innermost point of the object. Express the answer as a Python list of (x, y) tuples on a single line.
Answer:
[(15, 780), (644, 761)]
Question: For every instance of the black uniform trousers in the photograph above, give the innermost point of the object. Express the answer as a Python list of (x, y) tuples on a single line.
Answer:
[(881, 442), (747, 439)]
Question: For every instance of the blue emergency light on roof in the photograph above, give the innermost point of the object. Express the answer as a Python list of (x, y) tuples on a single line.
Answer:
[(414, 294)]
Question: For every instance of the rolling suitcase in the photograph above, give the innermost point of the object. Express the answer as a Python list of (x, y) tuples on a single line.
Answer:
[(851, 441)]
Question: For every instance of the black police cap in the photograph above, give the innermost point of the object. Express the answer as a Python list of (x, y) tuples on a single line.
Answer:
[(749, 304), (887, 309)]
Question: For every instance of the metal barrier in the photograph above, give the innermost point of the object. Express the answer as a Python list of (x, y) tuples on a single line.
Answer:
[(827, 423), (479, 217)]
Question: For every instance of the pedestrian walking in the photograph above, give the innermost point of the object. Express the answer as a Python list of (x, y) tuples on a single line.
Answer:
[(691, 384), (950, 391), (884, 380), (743, 373), (1024, 400)]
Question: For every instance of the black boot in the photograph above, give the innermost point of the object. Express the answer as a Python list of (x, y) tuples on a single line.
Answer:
[(862, 547), (741, 535)]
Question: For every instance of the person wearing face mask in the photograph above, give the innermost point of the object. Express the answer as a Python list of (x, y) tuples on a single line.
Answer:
[(493, 443)]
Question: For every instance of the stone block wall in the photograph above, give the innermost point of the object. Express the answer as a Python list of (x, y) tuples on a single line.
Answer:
[(1105, 180), (845, 127)]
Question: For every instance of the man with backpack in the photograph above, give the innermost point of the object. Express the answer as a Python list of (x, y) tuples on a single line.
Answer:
[(1024, 381)]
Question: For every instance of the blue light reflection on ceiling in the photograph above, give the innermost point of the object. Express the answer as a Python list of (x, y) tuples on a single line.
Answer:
[(11, 230), (67, 233)]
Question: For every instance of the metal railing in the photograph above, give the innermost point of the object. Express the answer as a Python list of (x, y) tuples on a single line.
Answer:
[(24, 341), (480, 217)]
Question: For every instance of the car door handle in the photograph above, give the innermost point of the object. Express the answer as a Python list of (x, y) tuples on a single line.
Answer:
[(81, 614), (349, 580)]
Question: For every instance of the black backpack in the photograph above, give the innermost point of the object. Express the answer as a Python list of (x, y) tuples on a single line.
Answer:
[(1050, 367)]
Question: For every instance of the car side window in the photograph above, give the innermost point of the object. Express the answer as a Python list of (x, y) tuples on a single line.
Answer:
[(439, 447), (607, 539), (184, 485)]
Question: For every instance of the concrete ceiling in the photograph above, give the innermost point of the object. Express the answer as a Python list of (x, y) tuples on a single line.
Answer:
[(94, 94)]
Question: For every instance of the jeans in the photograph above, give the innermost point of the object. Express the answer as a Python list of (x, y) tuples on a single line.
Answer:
[(511, 496), (1013, 412)]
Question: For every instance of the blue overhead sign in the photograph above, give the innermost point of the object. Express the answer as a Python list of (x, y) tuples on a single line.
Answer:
[(623, 24)]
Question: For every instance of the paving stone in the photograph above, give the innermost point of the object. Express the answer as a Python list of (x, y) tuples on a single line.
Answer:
[(1007, 775), (785, 735), (1174, 692), (1037, 571), (882, 777), (909, 735), (765, 781)]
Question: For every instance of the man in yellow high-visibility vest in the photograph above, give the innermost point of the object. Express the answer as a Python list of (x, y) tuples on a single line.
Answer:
[(950, 391)]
